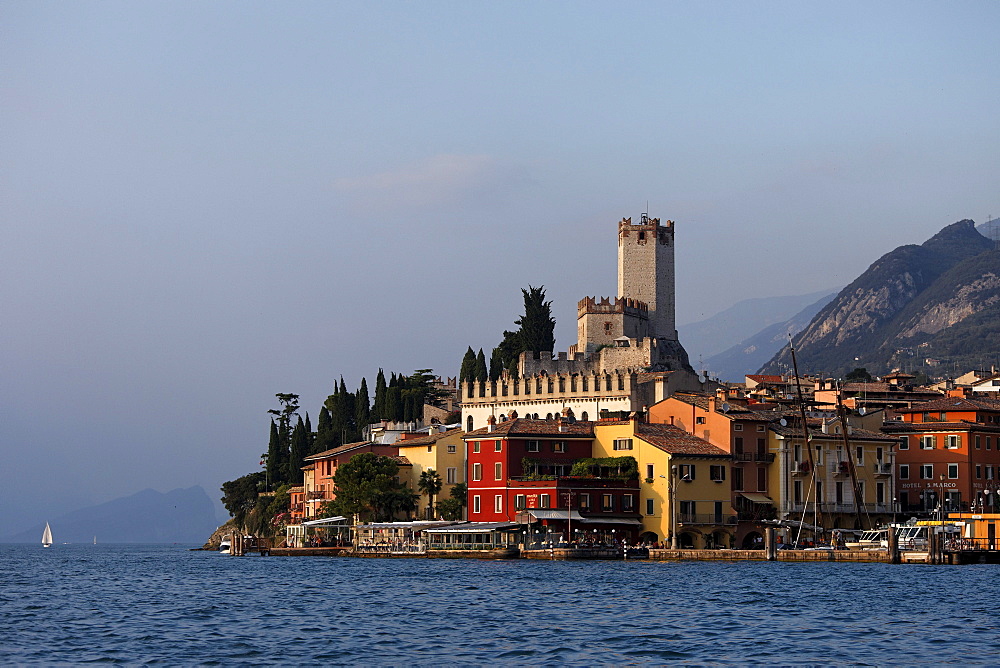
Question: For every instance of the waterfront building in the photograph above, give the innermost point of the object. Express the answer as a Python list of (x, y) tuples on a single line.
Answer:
[(441, 451), (320, 468), (948, 453), (683, 490)]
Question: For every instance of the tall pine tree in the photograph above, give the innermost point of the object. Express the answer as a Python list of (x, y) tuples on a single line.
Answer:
[(362, 409), (297, 452), (324, 433), (380, 388), (482, 374), (274, 458), (467, 373)]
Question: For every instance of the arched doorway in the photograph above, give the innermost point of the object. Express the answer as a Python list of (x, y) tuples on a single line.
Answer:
[(687, 541), (648, 537), (753, 541)]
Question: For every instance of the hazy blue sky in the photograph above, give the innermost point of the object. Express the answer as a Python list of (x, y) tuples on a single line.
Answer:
[(204, 204)]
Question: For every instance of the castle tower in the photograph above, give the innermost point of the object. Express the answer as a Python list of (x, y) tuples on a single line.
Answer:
[(646, 270)]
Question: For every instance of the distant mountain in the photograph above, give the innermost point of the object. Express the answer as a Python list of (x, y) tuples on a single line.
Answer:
[(732, 326), (916, 308), (180, 516), (747, 356)]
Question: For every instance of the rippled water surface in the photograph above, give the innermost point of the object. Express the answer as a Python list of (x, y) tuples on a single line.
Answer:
[(140, 604)]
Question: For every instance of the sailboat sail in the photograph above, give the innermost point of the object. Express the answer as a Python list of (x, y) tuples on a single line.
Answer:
[(47, 536)]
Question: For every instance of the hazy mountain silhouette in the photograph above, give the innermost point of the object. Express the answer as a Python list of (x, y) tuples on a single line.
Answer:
[(179, 516)]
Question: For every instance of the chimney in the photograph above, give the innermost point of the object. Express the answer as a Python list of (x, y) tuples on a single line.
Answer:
[(491, 423), (559, 423)]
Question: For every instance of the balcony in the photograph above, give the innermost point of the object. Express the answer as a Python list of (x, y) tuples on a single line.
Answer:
[(705, 518), (763, 457), (882, 470), (840, 469), (318, 495), (801, 468)]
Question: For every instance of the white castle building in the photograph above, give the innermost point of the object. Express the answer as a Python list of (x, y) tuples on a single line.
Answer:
[(627, 356)]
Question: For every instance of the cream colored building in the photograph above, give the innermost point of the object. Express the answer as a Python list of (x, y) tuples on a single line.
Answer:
[(444, 452), (683, 482)]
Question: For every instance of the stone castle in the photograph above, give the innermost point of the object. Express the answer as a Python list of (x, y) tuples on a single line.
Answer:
[(627, 354)]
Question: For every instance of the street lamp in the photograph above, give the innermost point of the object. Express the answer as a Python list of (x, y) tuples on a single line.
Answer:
[(895, 505)]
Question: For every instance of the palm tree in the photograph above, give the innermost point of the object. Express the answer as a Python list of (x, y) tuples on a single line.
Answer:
[(430, 484)]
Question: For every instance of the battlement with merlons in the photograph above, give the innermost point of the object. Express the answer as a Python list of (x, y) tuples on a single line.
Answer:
[(625, 305), (645, 228)]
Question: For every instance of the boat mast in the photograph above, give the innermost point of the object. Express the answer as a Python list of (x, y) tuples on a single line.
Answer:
[(818, 514), (858, 498)]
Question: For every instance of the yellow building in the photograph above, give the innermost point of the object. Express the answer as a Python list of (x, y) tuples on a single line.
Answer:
[(444, 452), (684, 493)]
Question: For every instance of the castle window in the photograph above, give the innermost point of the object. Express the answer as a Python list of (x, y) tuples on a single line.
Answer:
[(585, 387), (583, 415), (642, 236), (608, 328)]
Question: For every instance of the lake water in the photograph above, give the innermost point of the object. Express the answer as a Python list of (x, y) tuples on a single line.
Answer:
[(164, 604)]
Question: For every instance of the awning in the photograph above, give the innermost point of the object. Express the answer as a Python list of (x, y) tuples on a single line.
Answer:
[(323, 522), (612, 520), (757, 498), (475, 527), (553, 514)]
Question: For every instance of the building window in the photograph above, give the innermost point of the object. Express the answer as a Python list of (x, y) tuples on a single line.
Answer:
[(498, 471), (543, 500), (622, 444), (737, 427), (519, 503), (860, 492), (498, 503), (649, 471), (860, 452), (717, 472), (798, 492), (607, 328), (926, 471), (468, 422), (559, 446), (978, 443), (988, 441), (738, 445), (979, 472), (475, 504), (687, 471), (819, 455), (585, 502), (760, 427), (699, 420), (952, 441), (497, 447), (927, 442), (953, 471), (452, 449), (687, 510), (532, 446), (475, 446), (477, 472), (649, 506), (880, 492), (761, 479), (607, 502), (738, 479), (904, 471), (904, 442), (452, 475), (628, 502)]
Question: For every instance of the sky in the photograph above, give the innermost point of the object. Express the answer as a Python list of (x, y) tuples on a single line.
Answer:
[(206, 204)]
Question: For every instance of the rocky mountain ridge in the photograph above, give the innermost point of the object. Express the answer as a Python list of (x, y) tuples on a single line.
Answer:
[(914, 308)]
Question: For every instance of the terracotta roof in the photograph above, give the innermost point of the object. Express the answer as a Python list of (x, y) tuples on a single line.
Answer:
[(699, 400), (525, 427), (945, 404), (919, 427), (399, 459), (676, 441), (816, 432), (766, 379), (300, 488), (336, 451), (427, 440)]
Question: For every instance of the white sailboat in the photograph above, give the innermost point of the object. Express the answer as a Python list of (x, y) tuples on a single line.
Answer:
[(47, 536)]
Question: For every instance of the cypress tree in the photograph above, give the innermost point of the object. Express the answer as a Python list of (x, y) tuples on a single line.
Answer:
[(362, 409), (380, 388), (324, 433), (467, 374), (481, 373), (274, 456), (496, 364), (297, 452), (537, 324), (310, 436), (351, 431)]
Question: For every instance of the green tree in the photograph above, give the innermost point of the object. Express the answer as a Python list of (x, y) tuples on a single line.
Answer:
[(324, 433), (430, 484), (362, 409), (467, 373), (449, 509), (537, 326), (289, 406), (240, 496), (298, 450), (363, 483), (859, 375), (379, 412), (460, 493), (496, 364), (481, 373), (275, 458)]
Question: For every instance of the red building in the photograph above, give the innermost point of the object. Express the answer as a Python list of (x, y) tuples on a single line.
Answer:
[(948, 450), (520, 471)]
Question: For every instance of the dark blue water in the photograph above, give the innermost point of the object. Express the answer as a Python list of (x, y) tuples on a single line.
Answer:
[(164, 604)]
